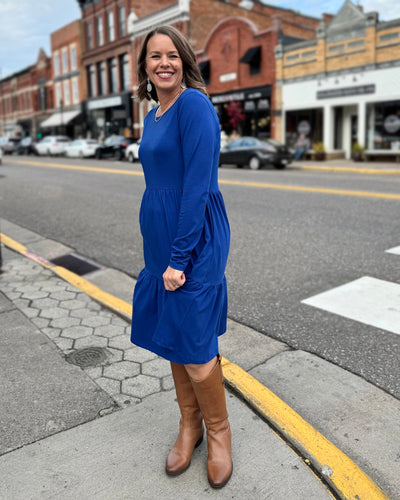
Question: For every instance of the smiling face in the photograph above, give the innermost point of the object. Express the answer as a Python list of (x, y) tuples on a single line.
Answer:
[(164, 65)]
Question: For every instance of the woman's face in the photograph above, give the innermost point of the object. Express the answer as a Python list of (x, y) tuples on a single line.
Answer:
[(163, 64)]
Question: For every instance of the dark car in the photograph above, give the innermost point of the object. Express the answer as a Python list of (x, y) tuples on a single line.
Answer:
[(113, 147), (27, 147), (255, 153)]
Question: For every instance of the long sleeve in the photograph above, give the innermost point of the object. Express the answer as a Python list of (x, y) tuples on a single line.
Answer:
[(199, 133)]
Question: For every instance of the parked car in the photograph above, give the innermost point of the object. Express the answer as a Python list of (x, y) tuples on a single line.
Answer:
[(113, 147), (132, 151), (255, 153), (52, 145), (82, 148), (9, 145), (27, 146)]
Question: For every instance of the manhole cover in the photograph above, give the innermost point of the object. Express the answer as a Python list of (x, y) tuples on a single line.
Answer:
[(90, 356), (76, 264)]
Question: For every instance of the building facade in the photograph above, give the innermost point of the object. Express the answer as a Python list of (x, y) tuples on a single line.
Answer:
[(67, 85), (342, 88), (234, 43), (26, 99), (106, 64)]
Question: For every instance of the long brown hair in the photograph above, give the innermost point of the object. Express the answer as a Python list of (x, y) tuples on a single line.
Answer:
[(191, 72)]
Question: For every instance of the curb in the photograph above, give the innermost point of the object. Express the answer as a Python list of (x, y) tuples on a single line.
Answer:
[(336, 469)]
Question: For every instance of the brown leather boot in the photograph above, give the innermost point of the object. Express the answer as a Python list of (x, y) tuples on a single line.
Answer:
[(210, 394), (190, 426)]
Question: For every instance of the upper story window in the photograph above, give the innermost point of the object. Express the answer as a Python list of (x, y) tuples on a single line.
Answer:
[(75, 91), (67, 95), (110, 26), (89, 37), (124, 71), (65, 60), (73, 57), (388, 36), (100, 33), (121, 20), (58, 95), (112, 75), (101, 78), (91, 80), (56, 61)]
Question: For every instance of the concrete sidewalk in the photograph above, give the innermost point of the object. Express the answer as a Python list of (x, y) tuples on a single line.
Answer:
[(103, 431)]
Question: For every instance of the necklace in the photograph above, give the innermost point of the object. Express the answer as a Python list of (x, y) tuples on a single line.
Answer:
[(169, 104)]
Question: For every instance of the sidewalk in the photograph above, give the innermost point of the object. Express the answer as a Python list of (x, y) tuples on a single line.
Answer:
[(103, 430), (372, 167)]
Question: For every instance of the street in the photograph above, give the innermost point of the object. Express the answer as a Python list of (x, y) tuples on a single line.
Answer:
[(295, 234)]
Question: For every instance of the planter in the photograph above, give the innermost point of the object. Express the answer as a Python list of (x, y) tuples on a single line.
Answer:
[(320, 156), (357, 157)]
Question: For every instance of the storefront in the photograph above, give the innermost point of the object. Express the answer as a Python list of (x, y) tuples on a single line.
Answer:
[(251, 113), (109, 115)]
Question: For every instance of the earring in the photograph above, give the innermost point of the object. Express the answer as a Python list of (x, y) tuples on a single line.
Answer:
[(183, 84), (149, 86)]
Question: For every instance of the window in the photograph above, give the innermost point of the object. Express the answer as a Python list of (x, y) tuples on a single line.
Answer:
[(91, 80), (67, 96), (336, 48), (356, 43), (112, 75), (383, 125), (42, 98), (56, 60), (89, 38), (100, 34), (101, 78), (121, 20), (73, 57), (110, 26), (75, 91), (388, 36), (64, 61), (124, 71), (58, 95)]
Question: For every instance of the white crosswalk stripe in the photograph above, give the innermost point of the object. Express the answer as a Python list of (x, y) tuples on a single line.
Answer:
[(368, 300)]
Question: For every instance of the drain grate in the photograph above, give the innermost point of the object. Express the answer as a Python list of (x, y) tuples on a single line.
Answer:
[(89, 356), (76, 264)]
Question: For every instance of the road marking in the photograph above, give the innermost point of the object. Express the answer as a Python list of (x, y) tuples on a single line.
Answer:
[(373, 171), (338, 470), (368, 300), (263, 185), (395, 250)]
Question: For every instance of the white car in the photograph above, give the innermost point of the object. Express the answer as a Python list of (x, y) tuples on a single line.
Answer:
[(82, 148), (52, 145), (132, 151)]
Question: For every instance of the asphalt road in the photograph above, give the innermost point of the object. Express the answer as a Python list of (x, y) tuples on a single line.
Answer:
[(287, 244)]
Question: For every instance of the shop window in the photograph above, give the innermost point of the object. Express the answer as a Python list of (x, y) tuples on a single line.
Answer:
[(253, 58), (383, 125), (121, 20), (306, 121)]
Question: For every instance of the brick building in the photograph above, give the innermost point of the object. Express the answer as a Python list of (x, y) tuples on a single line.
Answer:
[(234, 41), (343, 87), (26, 98), (67, 85), (106, 63)]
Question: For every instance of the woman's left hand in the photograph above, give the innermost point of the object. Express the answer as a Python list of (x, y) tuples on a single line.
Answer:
[(173, 279)]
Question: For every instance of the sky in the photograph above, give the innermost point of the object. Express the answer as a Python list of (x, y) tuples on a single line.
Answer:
[(26, 24)]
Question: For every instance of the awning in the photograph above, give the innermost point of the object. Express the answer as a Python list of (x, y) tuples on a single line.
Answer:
[(60, 119), (252, 56)]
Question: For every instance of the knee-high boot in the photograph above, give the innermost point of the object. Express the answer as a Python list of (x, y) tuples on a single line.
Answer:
[(190, 426), (210, 394)]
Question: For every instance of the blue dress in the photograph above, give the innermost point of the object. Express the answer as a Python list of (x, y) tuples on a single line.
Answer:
[(184, 225)]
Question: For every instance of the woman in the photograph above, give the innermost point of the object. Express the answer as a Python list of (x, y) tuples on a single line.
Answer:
[(180, 299)]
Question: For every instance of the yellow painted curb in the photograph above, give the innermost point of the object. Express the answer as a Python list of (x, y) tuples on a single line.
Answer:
[(348, 480), (372, 171), (339, 471)]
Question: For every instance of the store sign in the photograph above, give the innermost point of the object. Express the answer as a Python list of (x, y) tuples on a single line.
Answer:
[(228, 77), (392, 124), (346, 91), (105, 103), (236, 96)]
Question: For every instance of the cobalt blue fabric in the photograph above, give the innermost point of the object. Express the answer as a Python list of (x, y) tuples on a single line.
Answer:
[(184, 225)]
